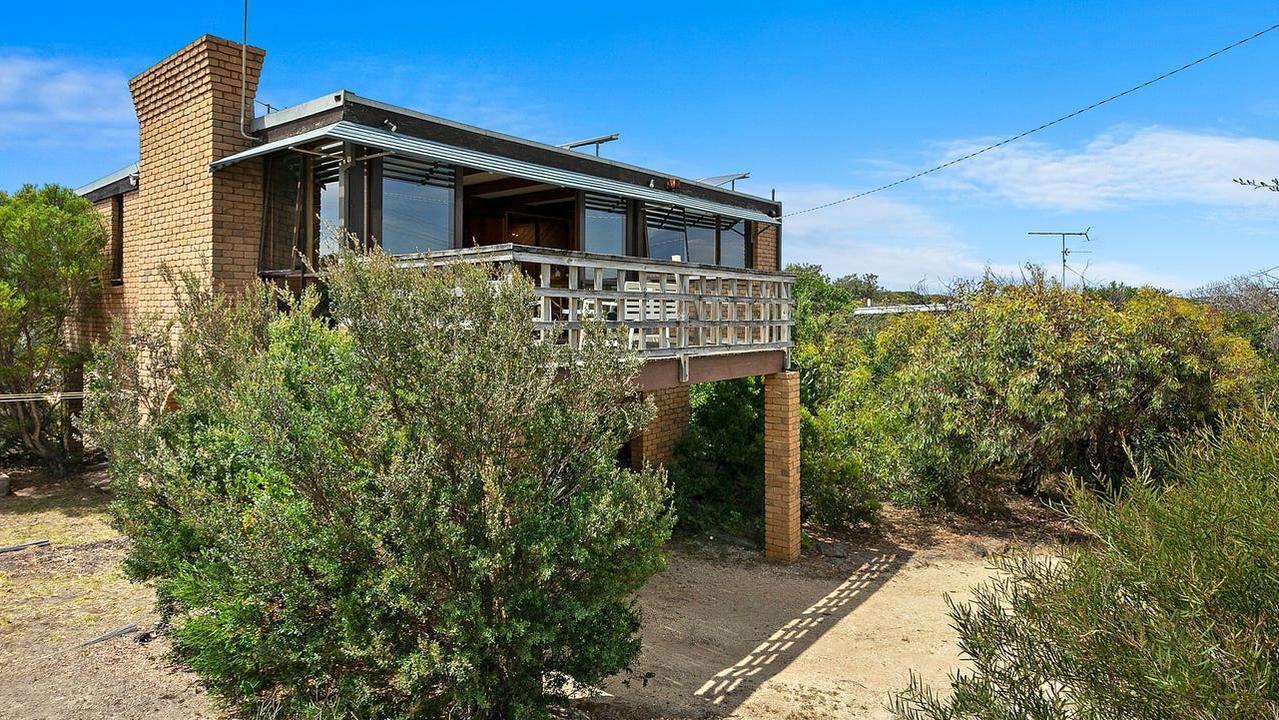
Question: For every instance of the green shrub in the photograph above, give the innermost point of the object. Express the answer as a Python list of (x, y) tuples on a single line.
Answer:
[(1170, 611), (51, 261), (836, 491), (1023, 381), (717, 471), (409, 509)]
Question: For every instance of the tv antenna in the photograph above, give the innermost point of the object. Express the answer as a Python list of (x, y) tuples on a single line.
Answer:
[(1066, 250)]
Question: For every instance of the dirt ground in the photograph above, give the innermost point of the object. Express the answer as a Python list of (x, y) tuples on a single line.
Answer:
[(728, 635), (725, 634)]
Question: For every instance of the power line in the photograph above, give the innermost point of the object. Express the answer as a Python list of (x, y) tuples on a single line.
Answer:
[(1034, 130)]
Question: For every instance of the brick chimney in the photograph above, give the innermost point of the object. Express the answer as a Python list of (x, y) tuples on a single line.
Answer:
[(188, 108)]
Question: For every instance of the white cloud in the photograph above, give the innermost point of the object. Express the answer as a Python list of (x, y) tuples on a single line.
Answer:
[(59, 102), (901, 243), (1148, 166)]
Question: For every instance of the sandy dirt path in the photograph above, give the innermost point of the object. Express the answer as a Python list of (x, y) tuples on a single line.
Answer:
[(726, 634)]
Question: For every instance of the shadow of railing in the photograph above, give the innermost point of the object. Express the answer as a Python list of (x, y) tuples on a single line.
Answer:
[(711, 643), (737, 681)]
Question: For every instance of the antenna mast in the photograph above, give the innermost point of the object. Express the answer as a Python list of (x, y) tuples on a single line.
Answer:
[(1066, 251)]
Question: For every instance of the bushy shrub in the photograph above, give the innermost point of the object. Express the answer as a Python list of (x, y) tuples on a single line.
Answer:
[(837, 490), (51, 261), (407, 509), (717, 471), (1021, 381), (1170, 611)]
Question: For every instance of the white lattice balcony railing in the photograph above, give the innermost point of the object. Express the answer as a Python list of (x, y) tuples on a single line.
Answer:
[(667, 309)]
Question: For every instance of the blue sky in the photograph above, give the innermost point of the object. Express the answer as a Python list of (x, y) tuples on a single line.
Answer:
[(817, 102)]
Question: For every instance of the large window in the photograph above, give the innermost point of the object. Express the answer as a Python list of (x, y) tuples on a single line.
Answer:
[(284, 193), (664, 227), (417, 206), (701, 238), (302, 210), (695, 237), (605, 225), (733, 244)]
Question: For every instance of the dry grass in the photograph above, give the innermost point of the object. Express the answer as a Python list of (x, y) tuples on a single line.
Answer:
[(53, 598), (66, 512)]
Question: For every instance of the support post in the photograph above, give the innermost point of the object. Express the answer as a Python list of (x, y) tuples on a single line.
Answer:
[(781, 466)]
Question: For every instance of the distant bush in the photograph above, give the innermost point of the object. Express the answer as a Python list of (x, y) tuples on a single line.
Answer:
[(1171, 610), (717, 472), (409, 509), (1023, 381)]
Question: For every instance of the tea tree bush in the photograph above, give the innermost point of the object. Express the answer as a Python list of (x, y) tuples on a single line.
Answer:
[(51, 260), (1022, 381), (1170, 611), (717, 471), (409, 509)]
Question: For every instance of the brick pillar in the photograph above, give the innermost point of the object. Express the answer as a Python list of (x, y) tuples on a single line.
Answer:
[(188, 108), (781, 466), (657, 442)]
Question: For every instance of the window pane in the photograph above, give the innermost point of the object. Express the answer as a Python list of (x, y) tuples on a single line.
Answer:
[(605, 227), (416, 217), (701, 239), (665, 232), (732, 242), (285, 175), (326, 181)]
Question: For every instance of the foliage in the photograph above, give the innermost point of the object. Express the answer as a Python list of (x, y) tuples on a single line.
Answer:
[(837, 489), (1022, 381), (718, 467), (409, 509), (51, 257), (1171, 611)]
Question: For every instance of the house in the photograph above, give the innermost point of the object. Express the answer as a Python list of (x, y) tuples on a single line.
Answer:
[(688, 269)]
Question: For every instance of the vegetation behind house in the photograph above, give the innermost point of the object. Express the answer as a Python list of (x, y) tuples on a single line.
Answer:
[(1019, 386)]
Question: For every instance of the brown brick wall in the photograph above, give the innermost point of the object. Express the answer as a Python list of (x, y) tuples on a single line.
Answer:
[(767, 252), (657, 442), (182, 216), (781, 466)]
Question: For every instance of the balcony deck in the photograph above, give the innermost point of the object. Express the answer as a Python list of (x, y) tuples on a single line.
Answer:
[(690, 322)]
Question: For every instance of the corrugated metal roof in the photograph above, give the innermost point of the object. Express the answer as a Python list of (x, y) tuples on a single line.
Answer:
[(439, 152), (105, 180)]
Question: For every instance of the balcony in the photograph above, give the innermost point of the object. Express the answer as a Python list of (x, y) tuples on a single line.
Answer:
[(691, 323)]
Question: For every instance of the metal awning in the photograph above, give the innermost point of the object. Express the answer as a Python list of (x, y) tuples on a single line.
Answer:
[(439, 152)]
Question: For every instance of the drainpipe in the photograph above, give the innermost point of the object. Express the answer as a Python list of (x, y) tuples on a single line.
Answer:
[(244, 72)]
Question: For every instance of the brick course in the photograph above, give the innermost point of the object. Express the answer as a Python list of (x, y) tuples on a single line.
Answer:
[(781, 466), (657, 442), (767, 253)]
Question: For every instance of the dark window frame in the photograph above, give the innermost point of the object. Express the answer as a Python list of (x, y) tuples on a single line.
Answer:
[(116, 275), (643, 250)]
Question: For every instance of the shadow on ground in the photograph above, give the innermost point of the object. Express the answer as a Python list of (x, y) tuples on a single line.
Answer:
[(65, 511), (721, 622)]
